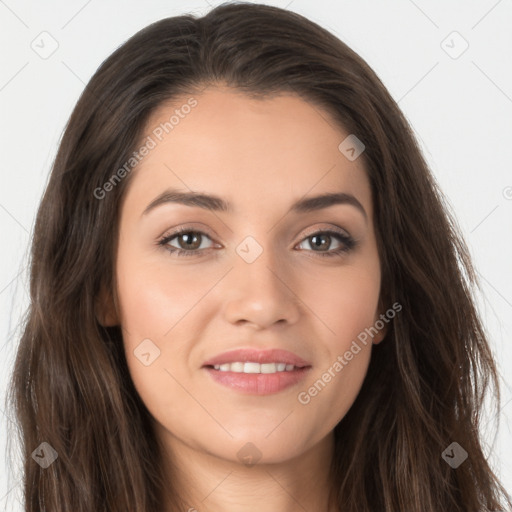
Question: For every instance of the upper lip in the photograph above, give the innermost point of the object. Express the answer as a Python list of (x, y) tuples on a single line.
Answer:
[(258, 356)]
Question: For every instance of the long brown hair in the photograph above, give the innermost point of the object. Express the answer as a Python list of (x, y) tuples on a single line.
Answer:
[(426, 381)]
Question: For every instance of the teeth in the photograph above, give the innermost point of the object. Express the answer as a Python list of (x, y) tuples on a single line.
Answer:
[(250, 367), (235, 367)]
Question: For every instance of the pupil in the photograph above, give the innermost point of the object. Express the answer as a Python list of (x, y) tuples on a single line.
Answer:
[(188, 238), (316, 237)]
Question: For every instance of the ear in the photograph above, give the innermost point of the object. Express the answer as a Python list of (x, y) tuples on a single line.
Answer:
[(381, 335), (105, 310), (383, 324)]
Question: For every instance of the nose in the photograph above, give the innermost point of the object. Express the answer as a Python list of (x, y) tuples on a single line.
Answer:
[(261, 293)]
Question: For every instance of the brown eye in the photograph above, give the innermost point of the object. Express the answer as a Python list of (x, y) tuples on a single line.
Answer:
[(322, 240), (189, 242)]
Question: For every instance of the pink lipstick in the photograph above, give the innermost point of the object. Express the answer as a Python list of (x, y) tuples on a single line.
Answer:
[(257, 372)]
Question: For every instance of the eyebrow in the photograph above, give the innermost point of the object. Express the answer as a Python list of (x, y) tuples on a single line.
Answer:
[(217, 204)]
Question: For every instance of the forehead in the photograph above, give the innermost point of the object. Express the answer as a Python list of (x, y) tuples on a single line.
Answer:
[(247, 150)]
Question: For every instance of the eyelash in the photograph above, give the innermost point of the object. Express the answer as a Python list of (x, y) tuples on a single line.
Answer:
[(348, 242)]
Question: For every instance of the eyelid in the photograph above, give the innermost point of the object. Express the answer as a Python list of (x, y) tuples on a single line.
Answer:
[(187, 227), (330, 227)]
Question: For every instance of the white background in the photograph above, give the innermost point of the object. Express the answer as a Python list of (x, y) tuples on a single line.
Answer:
[(460, 109)]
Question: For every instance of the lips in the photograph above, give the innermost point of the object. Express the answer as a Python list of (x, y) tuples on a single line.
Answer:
[(258, 356)]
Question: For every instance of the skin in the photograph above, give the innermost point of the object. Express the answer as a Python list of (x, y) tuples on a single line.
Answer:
[(260, 155)]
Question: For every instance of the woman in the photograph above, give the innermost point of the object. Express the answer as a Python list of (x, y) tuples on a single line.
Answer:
[(318, 346)]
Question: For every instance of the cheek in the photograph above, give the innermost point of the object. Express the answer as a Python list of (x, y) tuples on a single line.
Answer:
[(154, 301), (155, 296), (345, 302), (157, 301)]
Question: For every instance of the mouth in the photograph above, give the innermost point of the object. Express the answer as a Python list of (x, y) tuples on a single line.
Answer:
[(251, 367), (257, 372), (252, 378)]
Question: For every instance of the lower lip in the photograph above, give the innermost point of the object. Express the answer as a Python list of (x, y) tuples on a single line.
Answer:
[(259, 383)]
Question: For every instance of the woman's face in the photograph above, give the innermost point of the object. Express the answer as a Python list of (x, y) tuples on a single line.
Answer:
[(260, 275)]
